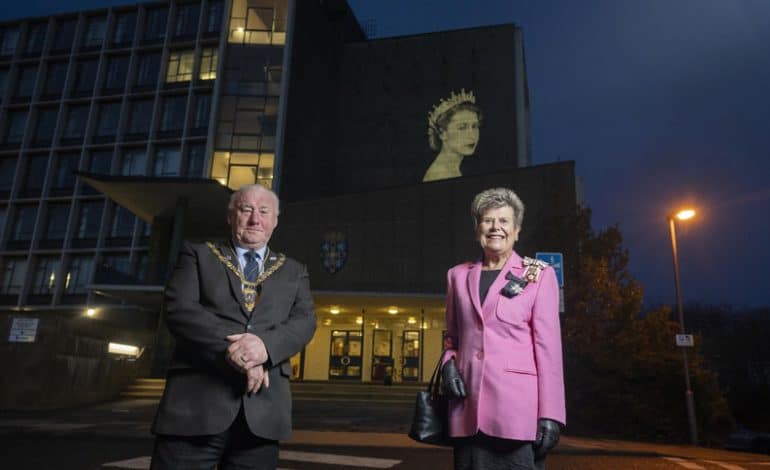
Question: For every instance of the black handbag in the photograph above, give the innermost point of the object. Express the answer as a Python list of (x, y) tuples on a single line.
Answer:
[(429, 423)]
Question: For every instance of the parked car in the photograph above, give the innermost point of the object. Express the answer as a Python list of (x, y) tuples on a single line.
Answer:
[(747, 440)]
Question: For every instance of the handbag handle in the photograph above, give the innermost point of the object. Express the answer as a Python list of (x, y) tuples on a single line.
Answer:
[(434, 386)]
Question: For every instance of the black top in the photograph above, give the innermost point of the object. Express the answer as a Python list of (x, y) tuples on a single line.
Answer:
[(487, 278)]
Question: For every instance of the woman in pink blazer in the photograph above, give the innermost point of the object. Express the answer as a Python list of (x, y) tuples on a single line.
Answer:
[(503, 366)]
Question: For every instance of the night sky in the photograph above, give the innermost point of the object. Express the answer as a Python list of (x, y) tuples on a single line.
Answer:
[(659, 103)]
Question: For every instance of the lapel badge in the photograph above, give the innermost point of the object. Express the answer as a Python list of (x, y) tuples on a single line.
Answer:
[(514, 286)]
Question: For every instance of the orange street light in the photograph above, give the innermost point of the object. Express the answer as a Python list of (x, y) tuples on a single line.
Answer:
[(684, 214)]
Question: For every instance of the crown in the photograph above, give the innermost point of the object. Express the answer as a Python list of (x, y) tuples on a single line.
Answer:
[(446, 104)]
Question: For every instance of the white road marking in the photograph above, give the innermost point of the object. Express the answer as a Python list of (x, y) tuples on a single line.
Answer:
[(138, 463), (336, 459), (685, 463), (728, 466), (143, 463)]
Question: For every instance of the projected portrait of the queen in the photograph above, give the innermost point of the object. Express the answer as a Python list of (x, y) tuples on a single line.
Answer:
[(453, 132)]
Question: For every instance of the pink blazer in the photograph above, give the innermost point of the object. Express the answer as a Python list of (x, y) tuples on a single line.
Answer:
[(508, 351)]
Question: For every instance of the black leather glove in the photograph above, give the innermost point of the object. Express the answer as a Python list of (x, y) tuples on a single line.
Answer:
[(548, 432), (451, 382)]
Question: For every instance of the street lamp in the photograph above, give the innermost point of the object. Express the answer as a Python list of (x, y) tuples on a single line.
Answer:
[(684, 214)]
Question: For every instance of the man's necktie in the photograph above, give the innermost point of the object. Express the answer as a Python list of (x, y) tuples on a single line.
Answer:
[(251, 269)]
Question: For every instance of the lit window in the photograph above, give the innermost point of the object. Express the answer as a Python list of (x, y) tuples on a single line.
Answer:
[(208, 64), (180, 67)]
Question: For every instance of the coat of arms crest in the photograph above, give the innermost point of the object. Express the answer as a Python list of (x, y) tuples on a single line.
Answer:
[(334, 251)]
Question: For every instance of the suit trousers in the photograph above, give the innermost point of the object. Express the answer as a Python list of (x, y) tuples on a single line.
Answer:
[(483, 452), (234, 449)]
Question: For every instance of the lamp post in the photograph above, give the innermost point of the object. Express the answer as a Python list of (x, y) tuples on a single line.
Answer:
[(689, 399)]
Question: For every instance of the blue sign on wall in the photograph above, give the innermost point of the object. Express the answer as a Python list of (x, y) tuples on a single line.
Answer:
[(556, 261)]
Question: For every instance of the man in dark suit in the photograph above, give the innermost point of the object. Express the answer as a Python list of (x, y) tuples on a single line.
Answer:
[(238, 312)]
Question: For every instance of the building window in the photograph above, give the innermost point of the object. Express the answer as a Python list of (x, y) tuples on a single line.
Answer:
[(187, 20), (172, 114), (134, 162), (195, 156), (78, 274), (14, 127), (34, 176), (208, 64), (100, 162), (201, 114), (35, 39), (107, 127), (26, 83), (7, 176), (94, 32), (139, 120), (54, 79), (14, 270), (167, 161), (236, 169), (55, 225), (63, 181), (147, 71), (44, 278), (117, 70), (141, 265), (23, 226), (89, 220), (3, 81), (85, 76), (213, 19), (124, 28), (258, 25), (180, 67), (75, 125), (155, 24), (46, 123), (65, 35), (115, 267), (8, 44), (122, 224)]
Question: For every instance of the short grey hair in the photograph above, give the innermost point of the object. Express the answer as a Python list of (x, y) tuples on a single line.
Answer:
[(248, 188), (495, 198)]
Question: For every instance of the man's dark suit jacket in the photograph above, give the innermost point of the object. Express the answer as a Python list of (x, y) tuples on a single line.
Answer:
[(204, 304)]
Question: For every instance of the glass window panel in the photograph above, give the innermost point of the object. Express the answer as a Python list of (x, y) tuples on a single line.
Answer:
[(219, 166), (14, 127), (89, 219), (65, 166), (10, 38), (44, 278), (56, 221), (7, 174), (187, 16), (124, 28), (147, 70), (213, 19), (34, 175), (202, 110), (65, 34), (75, 125), (180, 66), (134, 162), (155, 24), (94, 32), (78, 274), (172, 116), (35, 38), (117, 263), (46, 122), (23, 224), (208, 64), (139, 120), (85, 76), (100, 162), (167, 161), (54, 79), (195, 155), (109, 113), (117, 69), (259, 19), (26, 83), (122, 223), (241, 175), (14, 270)]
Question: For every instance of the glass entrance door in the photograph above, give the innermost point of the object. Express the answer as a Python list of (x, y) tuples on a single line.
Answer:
[(345, 355), (410, 352), (382, 355)]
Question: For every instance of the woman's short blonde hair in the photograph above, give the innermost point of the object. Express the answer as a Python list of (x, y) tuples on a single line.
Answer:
[(495, 198)]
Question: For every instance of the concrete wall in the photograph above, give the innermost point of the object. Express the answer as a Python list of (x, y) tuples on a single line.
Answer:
[(68, 363)]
